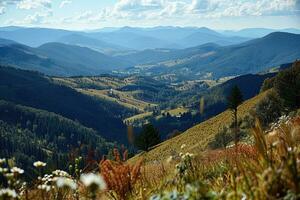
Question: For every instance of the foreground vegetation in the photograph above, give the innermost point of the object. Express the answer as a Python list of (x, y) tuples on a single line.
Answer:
[(264, 164), (267, 169)]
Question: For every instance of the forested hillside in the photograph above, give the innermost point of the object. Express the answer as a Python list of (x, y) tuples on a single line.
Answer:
[(35, 90), (28, 134)]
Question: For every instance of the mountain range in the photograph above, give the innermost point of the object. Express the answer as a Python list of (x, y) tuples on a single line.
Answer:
[(189, 52), (249, 57)]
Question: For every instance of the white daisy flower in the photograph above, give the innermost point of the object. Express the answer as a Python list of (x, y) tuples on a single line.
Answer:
[(17, 170), (62, 182), (8, 193), (39, 164), (93, 180)]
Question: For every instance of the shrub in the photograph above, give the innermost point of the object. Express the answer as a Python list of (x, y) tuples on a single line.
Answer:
[(287, 85), (269, 109)]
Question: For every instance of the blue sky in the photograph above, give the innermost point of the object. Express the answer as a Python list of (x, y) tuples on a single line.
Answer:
[(93, 14)]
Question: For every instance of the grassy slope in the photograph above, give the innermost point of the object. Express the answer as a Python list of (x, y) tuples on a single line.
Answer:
[(198, 137), (100, 87)]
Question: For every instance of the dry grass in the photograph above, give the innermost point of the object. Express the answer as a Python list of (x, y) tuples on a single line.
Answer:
[(198, 137), (138, 117), (120, 176)]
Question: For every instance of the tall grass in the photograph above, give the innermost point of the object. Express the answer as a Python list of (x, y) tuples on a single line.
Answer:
[(267, 169)]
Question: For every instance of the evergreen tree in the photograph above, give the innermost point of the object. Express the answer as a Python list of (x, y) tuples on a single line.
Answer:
[(235, 99), (147, 138)]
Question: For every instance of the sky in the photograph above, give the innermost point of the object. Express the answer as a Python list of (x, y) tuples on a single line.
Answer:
[(95, 14)]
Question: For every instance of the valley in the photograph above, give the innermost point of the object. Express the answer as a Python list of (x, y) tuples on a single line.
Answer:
[(130, 105)]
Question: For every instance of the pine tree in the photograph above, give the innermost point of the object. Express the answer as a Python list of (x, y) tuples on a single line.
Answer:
[(235, 99), (147, 138)]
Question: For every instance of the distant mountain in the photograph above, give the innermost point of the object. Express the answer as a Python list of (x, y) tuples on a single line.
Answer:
[(132, 39), (58, 59), (94, 44), (4, 42), (164, 37), (258, 32), (154, 56), (201, 37), (93, 61), (10, 28), (32, 36), (249, 57)]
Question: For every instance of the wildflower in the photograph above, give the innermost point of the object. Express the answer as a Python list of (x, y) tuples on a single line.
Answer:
[(3, 170), (9, 175), (183, 146), (8, 193), (93, 181), (17, 170), (62, 182), (2, 160), (39, 164), (47, 188), (60, 173), (169, 160)]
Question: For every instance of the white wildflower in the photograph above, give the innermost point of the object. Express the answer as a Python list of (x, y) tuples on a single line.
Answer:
[(93, 181), (170, 159), (39, 164), (9, 175), (44, 187), (183, 146), (188, 155), (62, 182), (2, 160), (8, 193), (17, 170), (3, 170), (60, 173)]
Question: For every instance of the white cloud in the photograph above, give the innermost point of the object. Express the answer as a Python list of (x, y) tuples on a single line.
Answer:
[(32, 4), (144, 11), (64, 3), (201, 8), (2, 10), (158, 10), (34, 19)]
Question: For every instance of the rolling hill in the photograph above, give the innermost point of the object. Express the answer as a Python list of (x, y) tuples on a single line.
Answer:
[(38, 91), (94, 44), (200, 37), (258, 32), (249, 57), (124, 37), (58, 59), (33, 37)]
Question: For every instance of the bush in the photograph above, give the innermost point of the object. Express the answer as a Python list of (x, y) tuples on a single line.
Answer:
[(269, 109), (287, 85)]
